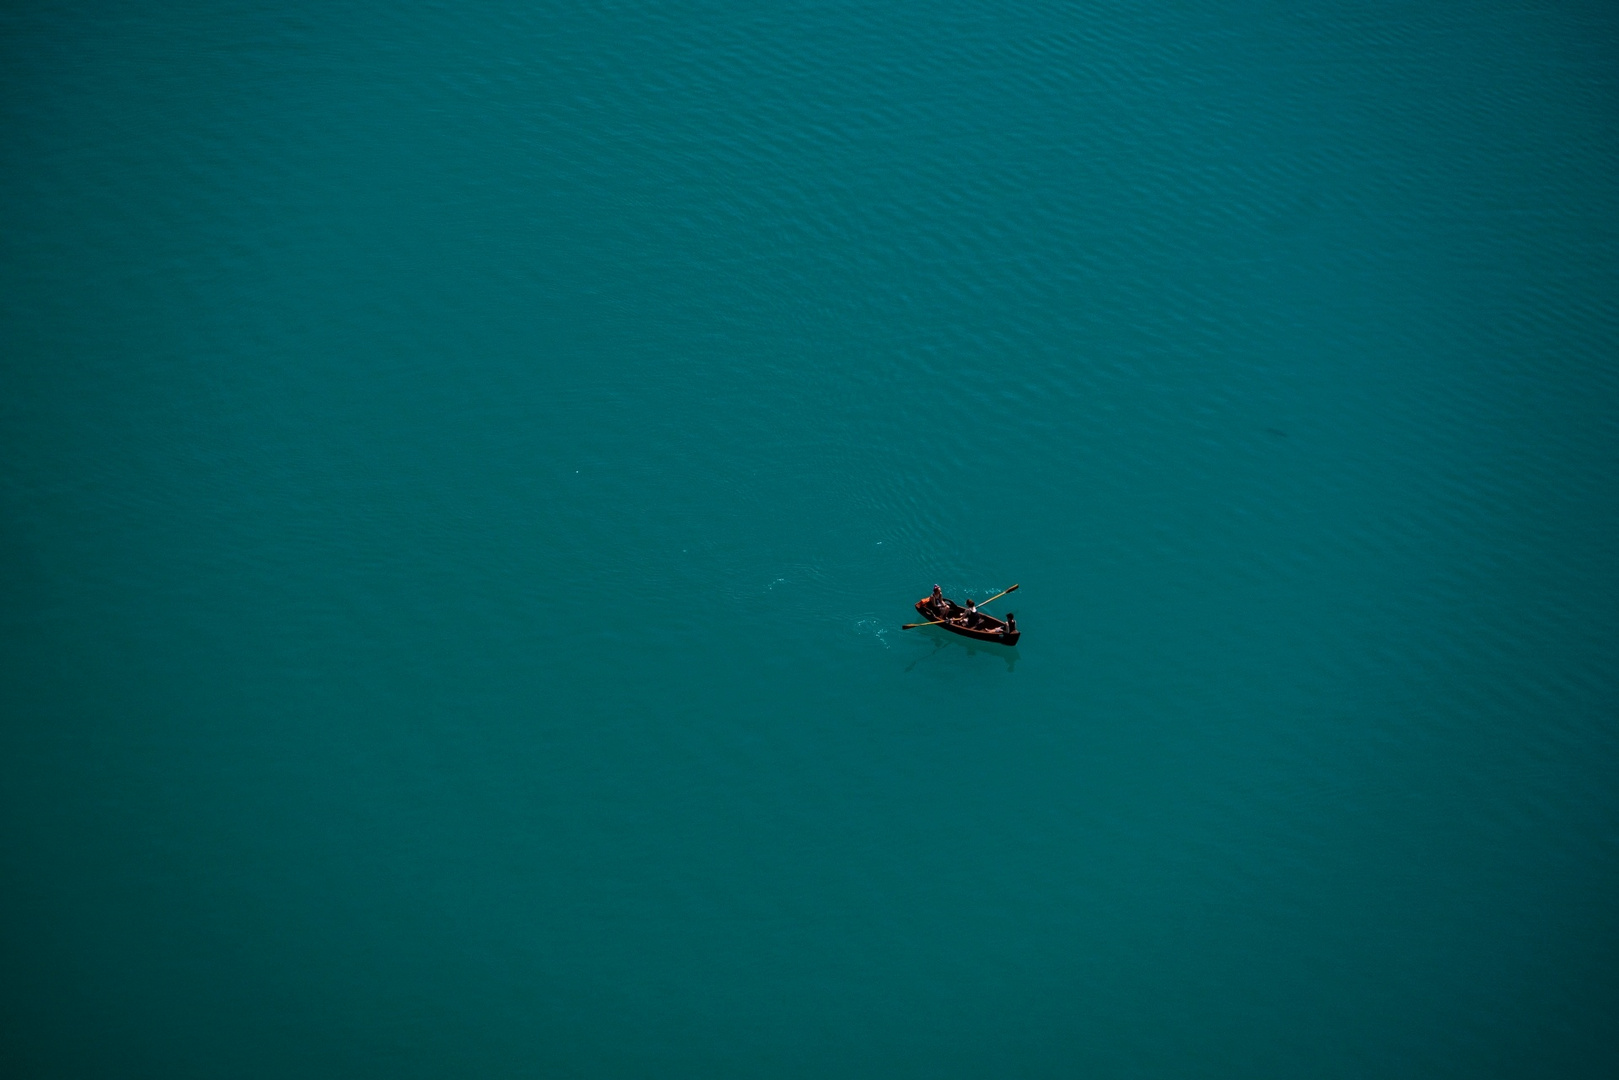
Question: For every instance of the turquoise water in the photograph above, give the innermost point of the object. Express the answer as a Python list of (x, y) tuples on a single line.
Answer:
[(465, 468)]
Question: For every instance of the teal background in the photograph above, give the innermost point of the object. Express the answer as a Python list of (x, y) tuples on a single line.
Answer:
[(463, 468)]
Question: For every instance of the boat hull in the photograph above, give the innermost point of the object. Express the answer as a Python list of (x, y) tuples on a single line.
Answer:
[(989, 633)]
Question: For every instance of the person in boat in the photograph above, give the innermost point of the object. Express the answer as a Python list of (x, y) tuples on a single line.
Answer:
[(971, 619), (941, 606), (1011, 624)]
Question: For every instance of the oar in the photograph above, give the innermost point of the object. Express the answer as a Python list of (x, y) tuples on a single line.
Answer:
[(997, 596), (936, 622)]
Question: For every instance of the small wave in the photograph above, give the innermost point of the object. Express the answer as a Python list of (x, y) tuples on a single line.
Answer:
[(870, 626)]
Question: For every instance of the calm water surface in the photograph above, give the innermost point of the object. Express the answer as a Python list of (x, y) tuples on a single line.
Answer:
[(465, 468)]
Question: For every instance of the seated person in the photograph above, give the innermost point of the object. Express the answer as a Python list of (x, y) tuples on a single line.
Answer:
[(971, 618), (941, 606)]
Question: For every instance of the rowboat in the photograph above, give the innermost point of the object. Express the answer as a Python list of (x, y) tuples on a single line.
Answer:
[(989, 628)]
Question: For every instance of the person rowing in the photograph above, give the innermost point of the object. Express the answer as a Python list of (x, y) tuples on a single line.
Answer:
[(971, 619)]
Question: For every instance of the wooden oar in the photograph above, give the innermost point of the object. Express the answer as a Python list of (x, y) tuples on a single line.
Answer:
[(997, 596), (937, 622)]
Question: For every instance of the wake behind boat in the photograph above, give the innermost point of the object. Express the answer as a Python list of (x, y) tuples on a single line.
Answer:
[(967, 621)]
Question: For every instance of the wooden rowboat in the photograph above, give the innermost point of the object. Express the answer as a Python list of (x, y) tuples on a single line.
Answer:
[(989, 628)]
